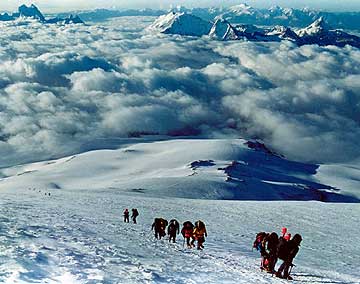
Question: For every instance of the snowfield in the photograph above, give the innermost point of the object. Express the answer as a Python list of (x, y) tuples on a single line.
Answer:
[(76, 234), (189, 168)]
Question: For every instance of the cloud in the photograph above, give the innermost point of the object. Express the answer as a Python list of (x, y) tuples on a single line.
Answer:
[(63, 87)]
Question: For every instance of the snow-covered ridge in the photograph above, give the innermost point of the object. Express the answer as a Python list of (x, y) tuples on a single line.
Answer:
[(33, 12), (190, 25), (199, 169)]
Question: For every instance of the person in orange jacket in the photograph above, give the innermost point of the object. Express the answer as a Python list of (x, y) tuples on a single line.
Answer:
[(199, 234)]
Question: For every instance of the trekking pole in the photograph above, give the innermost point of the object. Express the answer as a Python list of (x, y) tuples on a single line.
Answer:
[(291, 267), (184, 243)]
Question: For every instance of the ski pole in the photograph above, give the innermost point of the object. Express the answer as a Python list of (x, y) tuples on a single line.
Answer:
[(291, 267)]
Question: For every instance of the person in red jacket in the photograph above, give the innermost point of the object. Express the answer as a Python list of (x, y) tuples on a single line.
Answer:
[(187, 232)]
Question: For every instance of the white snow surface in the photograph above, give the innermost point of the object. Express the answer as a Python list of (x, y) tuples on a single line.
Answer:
[(76, 234), (182, 24), (242, 9), (188, 168), (317, 27)]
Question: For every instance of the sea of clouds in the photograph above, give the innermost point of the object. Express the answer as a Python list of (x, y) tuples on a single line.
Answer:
[(62, 87)]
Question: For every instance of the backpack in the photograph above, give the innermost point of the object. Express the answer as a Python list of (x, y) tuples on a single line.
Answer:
[(271, 243), (200, 224), (187, 229), (283, 249), (258, 240), (174, 223)]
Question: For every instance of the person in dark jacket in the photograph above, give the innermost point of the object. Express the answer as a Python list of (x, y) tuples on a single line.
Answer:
[(173, 230), (287, 250), (159, 227), (270, 255), (135, 214), (126, 215)]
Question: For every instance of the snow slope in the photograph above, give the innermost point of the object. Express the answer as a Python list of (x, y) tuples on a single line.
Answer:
[(71, 230), (213, 169)]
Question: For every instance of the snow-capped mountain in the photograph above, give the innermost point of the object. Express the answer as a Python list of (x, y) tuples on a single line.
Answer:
[(32, 12), (241, 9), (182, 24), (283, 33), (188, 24), (6, 17), (69, 20), (223, 30), (320, 33), (316, 28), (241, 14)]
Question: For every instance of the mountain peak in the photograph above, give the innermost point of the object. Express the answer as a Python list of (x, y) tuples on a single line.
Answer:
[(242, 9), (317, 27), (223, 30), (182, 24), (321, 23), (32, 12)]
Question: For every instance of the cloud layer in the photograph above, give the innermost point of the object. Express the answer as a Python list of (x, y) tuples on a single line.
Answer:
[(64, 86)]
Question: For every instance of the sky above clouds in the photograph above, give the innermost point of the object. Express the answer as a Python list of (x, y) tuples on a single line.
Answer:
[(62, 5)]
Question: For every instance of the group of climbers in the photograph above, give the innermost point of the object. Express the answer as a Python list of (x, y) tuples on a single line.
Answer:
[(191, 233), (272, 248), (134, 215)]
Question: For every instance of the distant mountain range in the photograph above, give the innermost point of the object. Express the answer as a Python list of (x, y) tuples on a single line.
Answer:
[(34, 13), (245, 14), (318, 32), (241, 14)]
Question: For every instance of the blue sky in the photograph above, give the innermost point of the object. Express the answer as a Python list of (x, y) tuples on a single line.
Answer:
[(60, 5)]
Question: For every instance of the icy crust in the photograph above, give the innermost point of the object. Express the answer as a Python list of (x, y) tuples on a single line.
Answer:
[(190, 25), (199, 169)]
